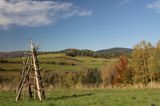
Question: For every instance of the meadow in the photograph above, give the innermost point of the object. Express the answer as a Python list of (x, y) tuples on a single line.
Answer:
[(83, 96), (52, 63), (59, 62), (88, 97)]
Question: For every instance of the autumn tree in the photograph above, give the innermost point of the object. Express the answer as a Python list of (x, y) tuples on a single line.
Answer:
[(154, 63), (157, 72), (141, 55), (108, 74), (121, 67)]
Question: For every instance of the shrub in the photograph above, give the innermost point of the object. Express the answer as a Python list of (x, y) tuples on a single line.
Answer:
[(108, 74), (128, 76), (121, 67), (3, 61), (1, 69), (92, 77)]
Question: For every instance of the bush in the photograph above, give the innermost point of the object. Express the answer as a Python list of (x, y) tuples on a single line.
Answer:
[(63, 79), (108, 74), (117, 73), (92, 77), (3, 61), (71, 79), (128, 76), (1, 69), (121, 67)]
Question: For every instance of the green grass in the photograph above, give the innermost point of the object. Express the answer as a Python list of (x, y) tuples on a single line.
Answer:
[(90, 97), (80, 63), (11, 66), (12, 70), (55, 67), (51, 55)]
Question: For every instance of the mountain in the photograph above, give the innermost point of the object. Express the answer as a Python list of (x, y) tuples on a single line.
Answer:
[(114, 50), (105, 51), (65, 50), (11, 54)]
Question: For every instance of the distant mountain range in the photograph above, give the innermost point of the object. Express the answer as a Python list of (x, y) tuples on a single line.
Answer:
[(114, 50), (11, 54), (104, 51)]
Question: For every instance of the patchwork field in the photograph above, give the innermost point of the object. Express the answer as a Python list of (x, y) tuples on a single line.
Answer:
[(53, 62), (59, 62)]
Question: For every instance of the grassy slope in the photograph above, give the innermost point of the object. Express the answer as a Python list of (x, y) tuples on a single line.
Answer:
[(103, 97), (107, 97), (12, 70), (81, 63)]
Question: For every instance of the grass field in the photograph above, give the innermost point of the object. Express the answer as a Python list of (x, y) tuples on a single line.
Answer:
[(80, 63), (53, 62), (90, 97), (12, 70)]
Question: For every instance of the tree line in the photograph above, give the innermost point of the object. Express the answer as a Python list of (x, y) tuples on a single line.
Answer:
[(77, 52), (143, 67), (91, 53)]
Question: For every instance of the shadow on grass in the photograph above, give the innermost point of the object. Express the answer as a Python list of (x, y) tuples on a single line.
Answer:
[(69, 97)]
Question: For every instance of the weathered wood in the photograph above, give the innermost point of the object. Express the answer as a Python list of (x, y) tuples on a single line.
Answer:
[(36, 67), (23, 73), (31, 76), (22, 84), (29, 88)]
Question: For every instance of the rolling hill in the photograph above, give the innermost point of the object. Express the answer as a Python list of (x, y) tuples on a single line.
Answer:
[(114, 50), (11, 54), (15, 54)]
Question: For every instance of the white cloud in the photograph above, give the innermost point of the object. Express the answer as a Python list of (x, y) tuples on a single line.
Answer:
[(154, 5), (36, 13), (124, 2)]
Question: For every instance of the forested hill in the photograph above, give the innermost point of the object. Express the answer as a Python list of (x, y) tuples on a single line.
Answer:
[(108, 51), (105, 51), (11, 54), (114, 50)]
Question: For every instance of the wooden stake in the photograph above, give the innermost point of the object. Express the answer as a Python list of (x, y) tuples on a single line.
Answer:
[(22, 84), (35, 85), (36, 67)]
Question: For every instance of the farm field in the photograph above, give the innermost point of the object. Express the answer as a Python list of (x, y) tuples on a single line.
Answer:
[(89, 97), (59, 62), (53, 62), (50, 63)]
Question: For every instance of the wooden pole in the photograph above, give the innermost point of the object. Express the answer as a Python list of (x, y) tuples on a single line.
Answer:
[(22, 84), (36, 69)]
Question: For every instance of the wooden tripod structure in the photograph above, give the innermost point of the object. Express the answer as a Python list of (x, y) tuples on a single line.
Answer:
[(31, 80)]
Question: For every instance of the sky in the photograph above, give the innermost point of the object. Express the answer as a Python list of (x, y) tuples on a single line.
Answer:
[(83, 24)]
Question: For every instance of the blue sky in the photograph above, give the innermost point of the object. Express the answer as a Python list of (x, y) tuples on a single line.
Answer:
[(82, 24)]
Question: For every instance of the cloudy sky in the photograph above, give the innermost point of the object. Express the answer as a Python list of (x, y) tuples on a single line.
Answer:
[(82, 24)]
